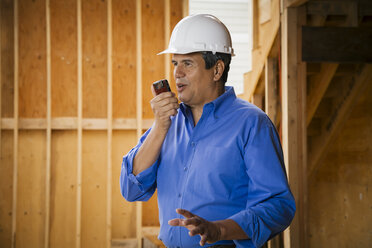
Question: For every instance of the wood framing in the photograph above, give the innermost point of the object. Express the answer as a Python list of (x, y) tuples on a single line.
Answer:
[(139, 106), (328, 131), (337, 44), (267, 35), (77, 103), (320, 84), (109, 125), (15, 131), (271, 88), (48, 127), (294, 119), (79, 124)]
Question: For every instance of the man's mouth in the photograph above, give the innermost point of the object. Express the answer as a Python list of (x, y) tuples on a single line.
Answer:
[(180, 86)]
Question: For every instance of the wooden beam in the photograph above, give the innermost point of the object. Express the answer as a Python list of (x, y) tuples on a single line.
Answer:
[(71, 123), (258, 100), (255, 26), (337, 44), (320, 143), (15, 132), (293, 3), (294, 120), (79, 124), (139, 106), (271, 88), (320, 84), (329, 7), (109, 125), (260, 55), (48, 127)]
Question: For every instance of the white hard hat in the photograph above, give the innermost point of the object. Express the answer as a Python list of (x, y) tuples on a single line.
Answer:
[(197, 33)]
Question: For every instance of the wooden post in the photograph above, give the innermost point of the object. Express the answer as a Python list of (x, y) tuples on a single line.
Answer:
[(185, 8), (79, 125), (271, 88), (294, 120), (49, 127), (139, 106), (109, 123), (166, 39), (15, 130)]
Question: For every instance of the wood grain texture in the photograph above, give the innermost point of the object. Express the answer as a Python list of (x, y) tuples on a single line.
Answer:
[(94, 189), (123, 212), (63, 21), (124, 58), (31, 189), (152, 64), (7, 58), (6, 188), (342, 220), (32, 58), (94, 45), (63, 189)]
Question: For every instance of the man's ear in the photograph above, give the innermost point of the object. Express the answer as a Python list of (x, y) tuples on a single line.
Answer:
[(218, 70)]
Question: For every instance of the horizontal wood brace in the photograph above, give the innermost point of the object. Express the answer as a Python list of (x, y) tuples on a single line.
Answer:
[(71, 123)]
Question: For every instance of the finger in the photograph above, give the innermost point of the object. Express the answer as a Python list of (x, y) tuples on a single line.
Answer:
[(192, 221), (176, 222), (159, 102), (196, 230), (203, 240), (185, 213)]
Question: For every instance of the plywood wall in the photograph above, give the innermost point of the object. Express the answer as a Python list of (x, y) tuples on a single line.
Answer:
[(340, 190), (68, 115)]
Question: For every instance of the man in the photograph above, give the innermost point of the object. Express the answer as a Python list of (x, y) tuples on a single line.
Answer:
[(215, 159)]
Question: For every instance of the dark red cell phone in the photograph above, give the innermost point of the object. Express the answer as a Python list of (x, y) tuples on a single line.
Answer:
[(161, 86)]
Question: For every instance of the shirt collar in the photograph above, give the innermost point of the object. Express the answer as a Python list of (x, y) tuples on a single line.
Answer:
[(219, 105)]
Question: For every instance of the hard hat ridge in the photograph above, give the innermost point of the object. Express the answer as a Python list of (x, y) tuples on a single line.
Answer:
[(197, 33)]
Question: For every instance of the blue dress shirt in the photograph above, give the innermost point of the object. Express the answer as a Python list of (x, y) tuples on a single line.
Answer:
[(229, 166)]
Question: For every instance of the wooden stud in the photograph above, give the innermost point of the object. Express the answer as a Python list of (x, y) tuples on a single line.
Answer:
[(109, 124), (185, 8), (271, 88), (167, 56), (15, 132), (294, 120), (320, 83), (139, 105), (256, 34), (1, 75), (49, 127), (79, 126)]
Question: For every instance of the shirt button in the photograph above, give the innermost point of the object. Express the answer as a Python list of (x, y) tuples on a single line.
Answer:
[(193, 144), (179, 195), (185, 168)]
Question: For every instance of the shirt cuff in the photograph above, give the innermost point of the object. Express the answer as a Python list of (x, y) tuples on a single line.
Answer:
[(146, 178), (253, 226)]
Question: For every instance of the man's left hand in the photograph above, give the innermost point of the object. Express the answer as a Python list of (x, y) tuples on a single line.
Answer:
[(209, 232)]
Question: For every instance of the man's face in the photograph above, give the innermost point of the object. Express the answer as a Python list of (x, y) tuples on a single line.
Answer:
[(195, 84)]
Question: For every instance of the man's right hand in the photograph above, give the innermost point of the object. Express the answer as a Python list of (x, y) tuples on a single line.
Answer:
[(164, 106)]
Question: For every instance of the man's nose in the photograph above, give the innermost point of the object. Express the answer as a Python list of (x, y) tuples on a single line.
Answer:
[(178, 72)]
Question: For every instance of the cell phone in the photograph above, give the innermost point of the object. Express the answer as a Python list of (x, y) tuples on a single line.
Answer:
[(161, 86)]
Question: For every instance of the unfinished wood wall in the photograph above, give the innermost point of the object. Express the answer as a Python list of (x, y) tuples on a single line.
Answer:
[(340, 189), (71, 81)]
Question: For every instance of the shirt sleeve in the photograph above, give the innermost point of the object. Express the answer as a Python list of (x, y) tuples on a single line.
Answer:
[(270, 204), (142, 186)]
